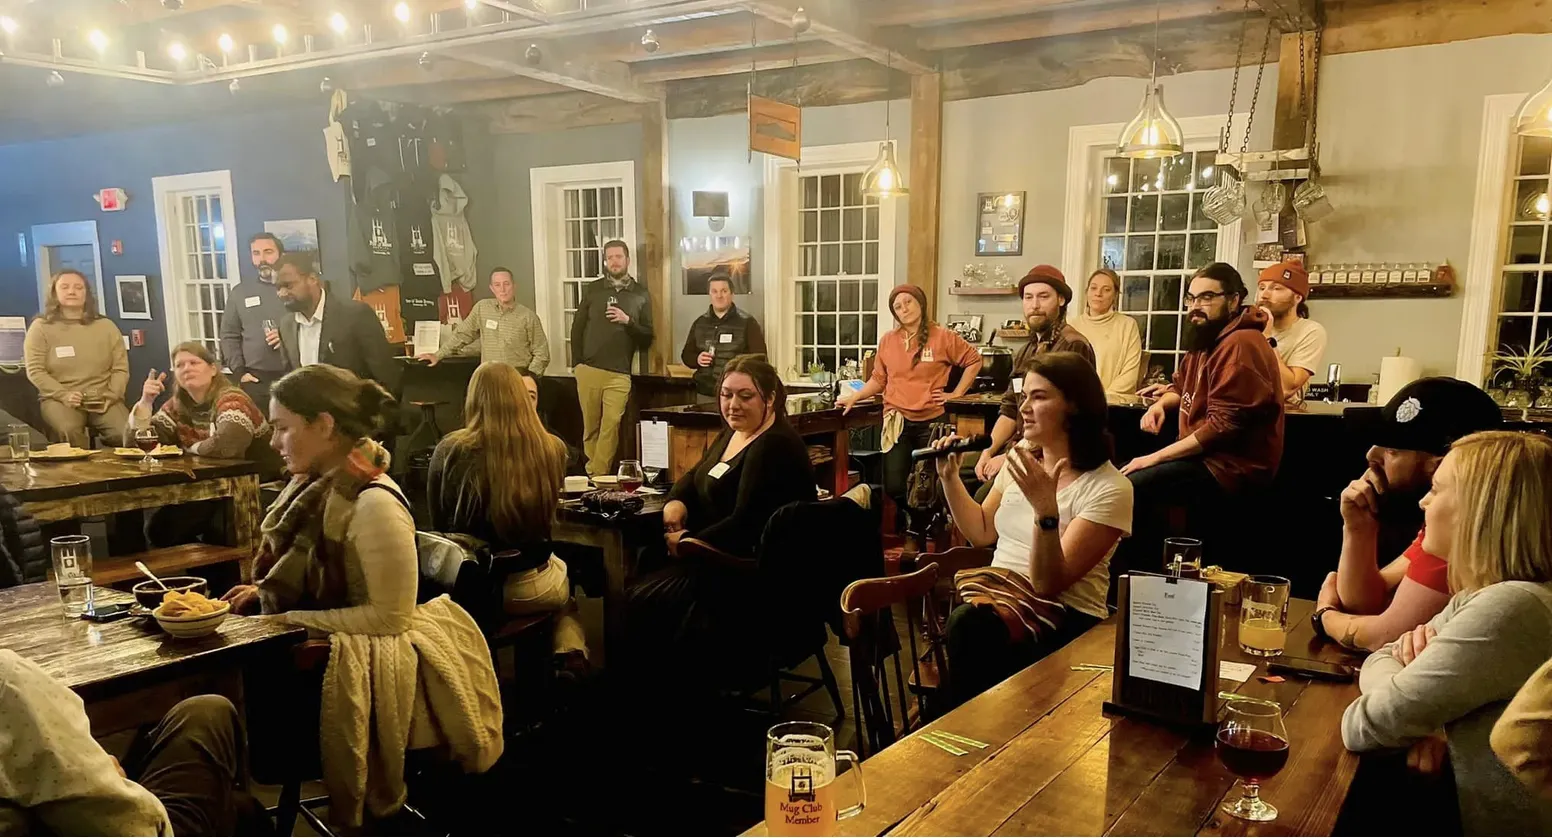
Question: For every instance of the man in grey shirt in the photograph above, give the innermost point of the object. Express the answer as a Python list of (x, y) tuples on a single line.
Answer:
[(250, 337)]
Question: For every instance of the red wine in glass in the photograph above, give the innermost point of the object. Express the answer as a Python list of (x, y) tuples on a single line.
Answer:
[(1253, 743), (630, 485), (1253, 754), (147, 444)]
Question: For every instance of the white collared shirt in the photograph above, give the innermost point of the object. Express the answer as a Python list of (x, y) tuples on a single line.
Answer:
[(309, 332)]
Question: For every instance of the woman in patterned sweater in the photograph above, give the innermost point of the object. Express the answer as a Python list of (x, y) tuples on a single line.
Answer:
[(209, 416)]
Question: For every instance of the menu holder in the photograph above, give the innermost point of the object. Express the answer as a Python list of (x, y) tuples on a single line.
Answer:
[(1167, 649)]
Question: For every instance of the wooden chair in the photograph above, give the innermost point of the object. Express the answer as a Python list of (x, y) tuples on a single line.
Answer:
[(779, 671), (867, 607)]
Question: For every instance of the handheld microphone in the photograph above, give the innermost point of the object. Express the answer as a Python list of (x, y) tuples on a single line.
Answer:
[(979, 442)]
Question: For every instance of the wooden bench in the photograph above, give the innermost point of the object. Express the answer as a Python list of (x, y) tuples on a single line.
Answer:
[(167, 561)]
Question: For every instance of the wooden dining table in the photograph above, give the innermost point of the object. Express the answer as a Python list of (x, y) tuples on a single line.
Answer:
[(129, 672), (1058, 764), (618, 538)]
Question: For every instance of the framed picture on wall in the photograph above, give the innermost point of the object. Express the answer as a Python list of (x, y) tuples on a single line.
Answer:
[(134, 297), (999, 224)]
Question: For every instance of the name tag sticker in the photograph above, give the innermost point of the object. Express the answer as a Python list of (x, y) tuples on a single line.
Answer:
[(1018, 386), (64, 352), (926, 356), (490, 324), (717, 471), (251, 302), (725, 337)]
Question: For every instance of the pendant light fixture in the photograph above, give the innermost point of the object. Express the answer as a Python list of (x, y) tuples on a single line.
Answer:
[(1153, 132), (1535, 116), (883, 179)]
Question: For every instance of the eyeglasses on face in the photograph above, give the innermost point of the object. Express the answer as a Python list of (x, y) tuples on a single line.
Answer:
[(1205, 298)]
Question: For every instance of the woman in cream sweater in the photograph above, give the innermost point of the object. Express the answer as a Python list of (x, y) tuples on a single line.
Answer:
[(76, 359), (1117, 343)]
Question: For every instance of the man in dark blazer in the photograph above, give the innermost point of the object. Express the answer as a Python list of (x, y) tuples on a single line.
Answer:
[(327, 328)]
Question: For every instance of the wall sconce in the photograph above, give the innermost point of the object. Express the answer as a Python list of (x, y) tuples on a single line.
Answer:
[(712, 206)]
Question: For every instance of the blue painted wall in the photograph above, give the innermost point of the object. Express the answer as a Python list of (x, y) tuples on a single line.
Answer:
[(278, 172)]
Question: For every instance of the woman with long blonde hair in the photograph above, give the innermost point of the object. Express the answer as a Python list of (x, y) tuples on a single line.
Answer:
[(1445, 683), (77, 360), (499, 480)]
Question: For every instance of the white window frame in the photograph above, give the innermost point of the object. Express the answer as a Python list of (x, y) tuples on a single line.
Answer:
[(546, 189), (66, 234), (163, 189), (780, 256), (1484, 262)]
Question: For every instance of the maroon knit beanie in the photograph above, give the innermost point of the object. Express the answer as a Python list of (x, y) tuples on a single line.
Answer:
[(913, 290)]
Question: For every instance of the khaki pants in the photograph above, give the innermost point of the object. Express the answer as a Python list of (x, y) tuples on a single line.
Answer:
[(68, 424), (603, 395)]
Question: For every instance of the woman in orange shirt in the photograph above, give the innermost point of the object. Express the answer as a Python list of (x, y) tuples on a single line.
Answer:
[(912, 370)]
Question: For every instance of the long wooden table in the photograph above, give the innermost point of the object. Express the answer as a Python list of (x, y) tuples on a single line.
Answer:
[(1059, 765), (129, 672)]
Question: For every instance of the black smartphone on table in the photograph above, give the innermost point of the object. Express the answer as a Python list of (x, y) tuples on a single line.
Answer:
[(107, 613), (1306, 668)]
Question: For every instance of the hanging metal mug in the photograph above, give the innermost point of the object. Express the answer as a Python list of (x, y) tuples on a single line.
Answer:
[(1225, 203), (1310, 202)]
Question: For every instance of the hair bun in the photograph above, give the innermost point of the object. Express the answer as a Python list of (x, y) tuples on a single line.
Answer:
[(375, 406)]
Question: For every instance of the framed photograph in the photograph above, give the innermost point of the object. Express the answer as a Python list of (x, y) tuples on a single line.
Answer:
[(710, 256), (999, 224), (299, 235), (134, 297)]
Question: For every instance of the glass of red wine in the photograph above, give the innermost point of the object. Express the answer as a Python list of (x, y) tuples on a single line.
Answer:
[(630, 475), (1253, 744), (146, 440)]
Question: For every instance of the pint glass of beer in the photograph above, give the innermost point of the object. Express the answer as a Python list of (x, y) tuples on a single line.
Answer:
[(800, 772)]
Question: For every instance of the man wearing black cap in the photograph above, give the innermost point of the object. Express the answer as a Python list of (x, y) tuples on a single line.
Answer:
[(1045, 294), (1361, 605)]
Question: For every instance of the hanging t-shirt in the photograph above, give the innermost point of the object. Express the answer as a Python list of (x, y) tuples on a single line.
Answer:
[(373, 142), (420, 285), (385, 302), (453, 306), (375, 258)]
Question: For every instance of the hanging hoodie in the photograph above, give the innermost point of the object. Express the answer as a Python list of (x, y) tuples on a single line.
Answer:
[(335, 141), (420, 286), (455, 249), (374, 252), (1231, 397), (373, 141)]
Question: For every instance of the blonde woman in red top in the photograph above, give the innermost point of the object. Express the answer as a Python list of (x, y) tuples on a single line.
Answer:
[(912, 370)]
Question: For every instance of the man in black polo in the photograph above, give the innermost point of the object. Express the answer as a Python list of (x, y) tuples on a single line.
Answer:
[(718, 336)]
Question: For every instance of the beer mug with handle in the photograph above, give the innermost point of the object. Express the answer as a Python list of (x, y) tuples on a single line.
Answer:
[(800, 772)]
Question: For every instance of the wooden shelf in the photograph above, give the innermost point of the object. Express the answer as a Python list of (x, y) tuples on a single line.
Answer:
[(1013, 334), (984, 292), (1372, 291)]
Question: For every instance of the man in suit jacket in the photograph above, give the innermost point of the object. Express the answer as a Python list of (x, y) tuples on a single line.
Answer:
[(330, 329)]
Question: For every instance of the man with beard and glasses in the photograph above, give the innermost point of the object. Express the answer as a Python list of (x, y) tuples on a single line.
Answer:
[(613, 324), (323, 328), (1300, 342), (1363, 606), (1230, 397), (1044, 293), (250, 326)]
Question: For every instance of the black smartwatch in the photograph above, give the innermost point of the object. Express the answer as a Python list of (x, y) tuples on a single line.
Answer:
[(1271, 341), (1319, 626), (1050, 522)]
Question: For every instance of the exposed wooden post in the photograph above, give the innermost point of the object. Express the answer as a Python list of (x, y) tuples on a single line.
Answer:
[(653, 249), (1288, 121), (925, 183)]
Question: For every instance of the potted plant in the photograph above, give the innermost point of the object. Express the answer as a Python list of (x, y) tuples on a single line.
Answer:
[(817, 373), (1525, 368)]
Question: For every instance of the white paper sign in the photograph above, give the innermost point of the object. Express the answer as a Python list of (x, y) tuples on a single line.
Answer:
[(1237, 672), (654, 445), (428, 337), (1166, 628)]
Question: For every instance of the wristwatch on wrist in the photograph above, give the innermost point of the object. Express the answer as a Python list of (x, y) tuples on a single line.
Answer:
[(1050, 522), (1271, 341), (1318, 625)]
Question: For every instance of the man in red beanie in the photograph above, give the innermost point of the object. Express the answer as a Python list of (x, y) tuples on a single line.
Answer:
[(1045, 294), (1299, 341)]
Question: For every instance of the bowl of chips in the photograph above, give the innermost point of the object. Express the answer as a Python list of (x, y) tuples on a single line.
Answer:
[(190, 614)]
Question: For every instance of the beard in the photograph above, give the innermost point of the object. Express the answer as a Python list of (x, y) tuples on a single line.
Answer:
[(1201, 337), (295, 304), (617, 276), (1039, 322)]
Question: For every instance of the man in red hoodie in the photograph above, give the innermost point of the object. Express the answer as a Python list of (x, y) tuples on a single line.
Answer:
[(1229, 392)]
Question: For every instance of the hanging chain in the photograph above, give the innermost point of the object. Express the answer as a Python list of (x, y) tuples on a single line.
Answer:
[(1314, 119), (1304, 113), (754, 55), (1239, 58), (1250, 119)]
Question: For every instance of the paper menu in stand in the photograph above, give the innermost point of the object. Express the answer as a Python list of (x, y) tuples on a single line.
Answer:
[(654, 445), (1167, 630), (428, 337)]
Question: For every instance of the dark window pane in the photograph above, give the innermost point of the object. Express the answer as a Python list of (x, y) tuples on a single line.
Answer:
[(1535, 155), (870, 259), (1167, 362), (869, 330), (849, 329), (1519, 292), (1206, 174), (851, 224), (829, 259), (1139, 253), (1136, 296), (1199, 219), (852, 184), (810, 227), (826, 330), (1514, 333), (1112, 250), (1546, 299), (1530, 200), (808, 359), (1172, 211), (806, 296), (827, 357), (871, 233), (808, 328), (810, 192), (830, 225), (1203, 249), (851, 291), (1166, 293), (830, 191), (1145, 175), (1172, 252), (811, 260), (827, 295), (590, 264), (1117, 174), (869, 295), (1161, 331), (851, 259), (1145, 213), (1525, 244), (1177, 172), (1115, 215)]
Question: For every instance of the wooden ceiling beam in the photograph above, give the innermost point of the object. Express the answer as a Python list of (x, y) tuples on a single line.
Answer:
[(698, 36), (464, 92), (407, 72), (558, 112), (605, 78), (933, 12), (1292, 15), (765, 59), (839, 23), (1074, 21)]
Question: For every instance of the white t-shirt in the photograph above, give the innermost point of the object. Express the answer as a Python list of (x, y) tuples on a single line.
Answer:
[(1303, 346), (1103, 496)]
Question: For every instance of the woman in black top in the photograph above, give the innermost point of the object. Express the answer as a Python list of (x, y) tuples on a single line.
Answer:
[(691, 609)]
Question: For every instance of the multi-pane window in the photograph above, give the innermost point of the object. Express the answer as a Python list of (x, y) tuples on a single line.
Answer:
[(1154, 234), (837, 282), (197, 230), (1525, 300), (593, 215)]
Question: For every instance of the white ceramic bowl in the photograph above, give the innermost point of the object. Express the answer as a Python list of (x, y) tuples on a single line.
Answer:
[(193, 625)]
